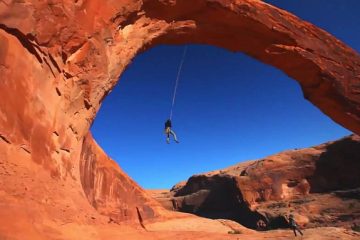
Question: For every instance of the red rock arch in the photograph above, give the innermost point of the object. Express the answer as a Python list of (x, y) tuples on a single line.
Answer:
[(326, 69), (59, 60)]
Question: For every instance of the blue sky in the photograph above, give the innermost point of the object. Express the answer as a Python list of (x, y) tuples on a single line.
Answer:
[(229, 108)]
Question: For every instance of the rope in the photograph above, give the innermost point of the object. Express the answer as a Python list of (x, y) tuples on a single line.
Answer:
[(177, 81)]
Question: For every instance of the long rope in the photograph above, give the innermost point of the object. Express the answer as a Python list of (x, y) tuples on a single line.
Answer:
[(177, 81)]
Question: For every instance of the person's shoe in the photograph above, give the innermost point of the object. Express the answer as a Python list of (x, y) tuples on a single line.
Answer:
[(167, 141), (177, 141)]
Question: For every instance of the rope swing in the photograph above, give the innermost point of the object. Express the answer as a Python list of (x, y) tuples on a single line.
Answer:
[(177, 81)]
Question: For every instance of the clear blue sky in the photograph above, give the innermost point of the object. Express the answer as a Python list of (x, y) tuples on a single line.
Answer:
[(230, 108)]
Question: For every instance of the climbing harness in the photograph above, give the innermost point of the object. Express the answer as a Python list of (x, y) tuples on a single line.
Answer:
[(177, 81)]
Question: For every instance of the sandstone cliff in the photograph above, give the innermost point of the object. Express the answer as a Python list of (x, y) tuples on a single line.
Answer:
[(314, 183)]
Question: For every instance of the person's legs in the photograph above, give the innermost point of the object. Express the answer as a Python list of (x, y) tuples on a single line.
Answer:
[(174, 135), (168, 138), (167, 132), (294, 229), (298, 229)]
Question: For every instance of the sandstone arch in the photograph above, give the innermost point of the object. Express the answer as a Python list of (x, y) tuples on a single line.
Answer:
[(59, 59)]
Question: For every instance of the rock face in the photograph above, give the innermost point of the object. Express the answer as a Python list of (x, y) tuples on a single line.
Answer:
[(107, 188), (314, 183), (59, 60)]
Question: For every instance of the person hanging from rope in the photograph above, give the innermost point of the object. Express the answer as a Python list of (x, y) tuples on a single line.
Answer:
[(169, 131)]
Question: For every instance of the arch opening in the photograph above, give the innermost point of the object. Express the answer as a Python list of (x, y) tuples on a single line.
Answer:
[(146, 90), (218, 90)]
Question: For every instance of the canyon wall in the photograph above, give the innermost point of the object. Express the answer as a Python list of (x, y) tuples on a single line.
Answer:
[(109, 190), (304, 181)]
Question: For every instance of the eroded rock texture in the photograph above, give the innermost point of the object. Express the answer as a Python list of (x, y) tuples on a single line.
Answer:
[(319, 184), (109, 190), (59, 59)]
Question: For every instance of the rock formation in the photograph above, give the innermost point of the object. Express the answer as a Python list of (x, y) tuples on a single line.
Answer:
[(319, 184), (59, 60), (109, 190)]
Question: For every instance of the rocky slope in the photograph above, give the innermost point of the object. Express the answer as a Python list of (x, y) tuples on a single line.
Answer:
[(107, 187), (59, 59), (315, 184)]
